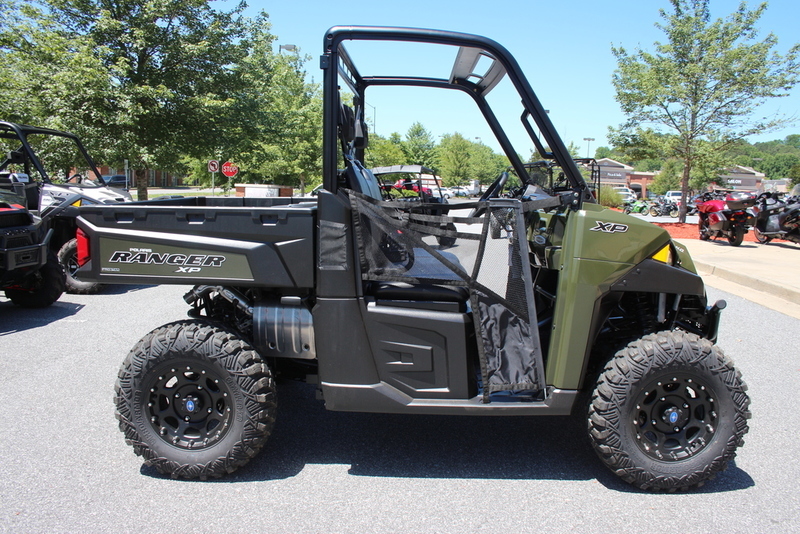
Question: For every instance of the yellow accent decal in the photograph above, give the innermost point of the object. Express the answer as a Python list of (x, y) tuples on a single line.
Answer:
[(664, 255)]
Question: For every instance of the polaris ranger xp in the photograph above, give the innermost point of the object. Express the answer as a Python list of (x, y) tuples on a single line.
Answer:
[(528, 303)]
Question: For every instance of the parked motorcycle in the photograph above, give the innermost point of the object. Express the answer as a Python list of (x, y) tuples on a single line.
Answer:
[(776, 218), (663, 207), (637, 206), (725, 216), (691, 206)]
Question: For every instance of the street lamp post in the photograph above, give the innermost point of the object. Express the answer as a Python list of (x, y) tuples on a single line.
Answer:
[(288, 48), (374, 118), (588, 142)]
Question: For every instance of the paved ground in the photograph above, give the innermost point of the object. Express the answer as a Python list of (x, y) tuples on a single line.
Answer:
[(766, 274)]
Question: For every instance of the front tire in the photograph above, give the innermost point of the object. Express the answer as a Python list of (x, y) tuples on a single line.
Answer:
[(761, 238), (68, 257), (194, 400), (668, 412), (653, 212)]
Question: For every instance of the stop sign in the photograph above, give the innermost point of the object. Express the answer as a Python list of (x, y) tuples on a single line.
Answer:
[(229, 169)]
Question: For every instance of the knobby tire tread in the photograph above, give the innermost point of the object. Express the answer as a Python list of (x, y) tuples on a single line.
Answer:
[(616, 384), (243, 363), (74, 286)]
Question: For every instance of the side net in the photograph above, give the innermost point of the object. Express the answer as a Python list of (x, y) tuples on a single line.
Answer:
[(479, 245)]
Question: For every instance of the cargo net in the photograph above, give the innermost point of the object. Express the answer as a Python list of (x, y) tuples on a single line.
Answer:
[(480, 246)]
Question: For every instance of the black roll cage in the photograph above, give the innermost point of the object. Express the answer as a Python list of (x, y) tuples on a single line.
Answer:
[(336, 62), (20, 132)]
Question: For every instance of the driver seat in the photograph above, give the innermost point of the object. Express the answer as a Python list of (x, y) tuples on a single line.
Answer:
[(354, 136)]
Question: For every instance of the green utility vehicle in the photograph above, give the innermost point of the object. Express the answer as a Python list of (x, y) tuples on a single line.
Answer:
[(540, 304)]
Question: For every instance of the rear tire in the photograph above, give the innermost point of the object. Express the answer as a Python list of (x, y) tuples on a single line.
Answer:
[(668, 412), (738, 236), (194, 400), (43, 287), (653, 212), (68, 257)]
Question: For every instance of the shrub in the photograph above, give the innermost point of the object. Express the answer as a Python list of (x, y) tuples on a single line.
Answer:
[(609, 198)]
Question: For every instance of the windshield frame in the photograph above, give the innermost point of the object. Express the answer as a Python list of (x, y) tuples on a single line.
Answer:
[(339, 66)]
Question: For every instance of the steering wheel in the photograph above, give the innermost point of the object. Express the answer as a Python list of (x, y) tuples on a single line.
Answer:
[(77, 177), (493, 191)]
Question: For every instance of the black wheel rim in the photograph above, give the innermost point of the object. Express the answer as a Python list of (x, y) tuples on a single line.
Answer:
[(674, 418), (189, 405), (71, 264)]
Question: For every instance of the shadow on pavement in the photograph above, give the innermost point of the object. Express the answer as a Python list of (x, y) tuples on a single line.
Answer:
[(120, 289), (420, 446), (15, 319)]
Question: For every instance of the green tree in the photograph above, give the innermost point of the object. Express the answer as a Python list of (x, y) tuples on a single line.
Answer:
[(172, 87), (793, 140), (794, 175), (419, 146), (32, 49), (288, 148), (453, 156), (485, 165), (668, 178), (648, 165), (382, 152), (777, 166), (703, 85), (602, 152)]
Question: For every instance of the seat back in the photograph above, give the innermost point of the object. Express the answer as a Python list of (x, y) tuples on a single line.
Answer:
[(354, 137), (361, 179)]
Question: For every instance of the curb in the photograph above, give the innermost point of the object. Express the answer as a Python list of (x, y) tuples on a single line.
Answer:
[(780, 291)]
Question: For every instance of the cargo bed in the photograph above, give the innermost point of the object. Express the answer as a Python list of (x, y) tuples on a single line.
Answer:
[(264, 242)]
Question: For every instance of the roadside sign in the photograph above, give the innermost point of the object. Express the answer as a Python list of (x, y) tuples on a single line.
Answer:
[(213, 166), (229, 169)]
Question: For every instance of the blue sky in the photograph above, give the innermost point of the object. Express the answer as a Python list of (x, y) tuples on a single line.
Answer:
[(564, 48)]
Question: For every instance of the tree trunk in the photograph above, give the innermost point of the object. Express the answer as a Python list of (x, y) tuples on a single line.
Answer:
[(687, 167), (141, 184)]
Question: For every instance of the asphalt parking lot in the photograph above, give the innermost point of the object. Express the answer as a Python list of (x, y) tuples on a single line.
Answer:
[(64, 466)]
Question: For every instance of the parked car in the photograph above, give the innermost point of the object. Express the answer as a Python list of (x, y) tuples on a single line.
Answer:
[(410, 185), (627, 194), (118, 181), (459, 191), (674, 196)]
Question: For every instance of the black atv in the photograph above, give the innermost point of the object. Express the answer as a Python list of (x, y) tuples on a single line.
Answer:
[(30, 273), (36, 155)]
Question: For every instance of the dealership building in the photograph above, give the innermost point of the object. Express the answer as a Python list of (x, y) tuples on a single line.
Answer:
[(614, 173)]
